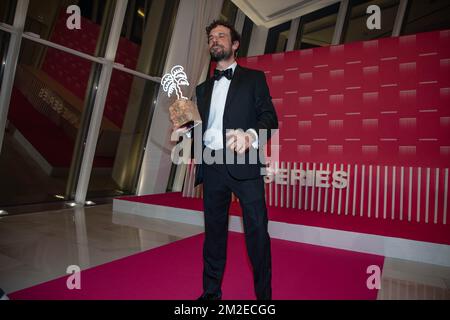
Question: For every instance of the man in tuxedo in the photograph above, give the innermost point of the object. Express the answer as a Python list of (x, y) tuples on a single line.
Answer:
[(234, 106)]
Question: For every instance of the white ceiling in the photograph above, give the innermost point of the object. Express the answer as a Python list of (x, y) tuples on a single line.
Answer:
[(269, 13)]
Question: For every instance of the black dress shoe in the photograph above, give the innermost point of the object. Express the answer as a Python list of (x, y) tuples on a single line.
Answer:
[(210, 296)]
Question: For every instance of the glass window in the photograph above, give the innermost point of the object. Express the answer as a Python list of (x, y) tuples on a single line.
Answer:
[(4, 44), (245, 37), (277, 38), (48, 19), (92, 10), (146, 34), (120, 148), (356, 25), (48, 102), (136, 18), (426, 15), (316, 29), (229, 11), (7, 10), (130, 100)]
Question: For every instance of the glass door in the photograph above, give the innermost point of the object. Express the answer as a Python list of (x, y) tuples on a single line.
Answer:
[(131, 99), (50, 100), (58, 87)]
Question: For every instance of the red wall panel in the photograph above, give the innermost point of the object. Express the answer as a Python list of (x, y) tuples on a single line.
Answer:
[(378, 109)]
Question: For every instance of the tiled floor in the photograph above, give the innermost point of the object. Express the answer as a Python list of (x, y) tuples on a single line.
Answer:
[(38, 247)]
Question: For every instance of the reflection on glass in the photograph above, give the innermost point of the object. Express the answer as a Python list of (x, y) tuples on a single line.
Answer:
[(136, 18), (128, 109), (145, 35), (7, 10), (129, 105), (93, 10), (277, 38), (316, 29), (45, 112), (357, 30), (245, 37), (4, 44), (426, 15), (48, 19), (229, 11)]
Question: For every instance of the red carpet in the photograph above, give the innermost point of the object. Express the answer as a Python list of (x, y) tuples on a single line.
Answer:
[(435, 233), (174, 271)]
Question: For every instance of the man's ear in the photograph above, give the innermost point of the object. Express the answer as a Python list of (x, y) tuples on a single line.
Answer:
[(235, 45)]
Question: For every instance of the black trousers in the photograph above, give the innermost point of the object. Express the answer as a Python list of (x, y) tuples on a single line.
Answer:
[(217, 188)]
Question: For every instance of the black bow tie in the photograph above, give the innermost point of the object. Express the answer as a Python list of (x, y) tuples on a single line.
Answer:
[(225, 73)]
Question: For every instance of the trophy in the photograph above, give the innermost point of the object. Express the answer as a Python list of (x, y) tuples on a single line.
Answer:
[(183, 112)]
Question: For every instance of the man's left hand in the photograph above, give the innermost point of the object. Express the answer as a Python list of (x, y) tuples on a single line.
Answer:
[(238, 140)]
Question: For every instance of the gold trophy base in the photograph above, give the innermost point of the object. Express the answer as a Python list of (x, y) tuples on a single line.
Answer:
[(184, 115)]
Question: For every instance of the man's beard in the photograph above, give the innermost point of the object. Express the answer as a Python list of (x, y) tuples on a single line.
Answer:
[(220, 55)]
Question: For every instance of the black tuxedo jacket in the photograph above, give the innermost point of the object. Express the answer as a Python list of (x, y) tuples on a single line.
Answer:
[(248, 105)]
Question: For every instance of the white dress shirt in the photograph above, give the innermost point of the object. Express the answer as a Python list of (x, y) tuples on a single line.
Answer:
[(213, 135)]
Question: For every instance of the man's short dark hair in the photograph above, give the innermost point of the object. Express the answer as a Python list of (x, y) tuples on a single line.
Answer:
[(235, 36)]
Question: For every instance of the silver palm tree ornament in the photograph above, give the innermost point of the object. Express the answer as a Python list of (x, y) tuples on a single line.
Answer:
[(183, 112), (172, 81)]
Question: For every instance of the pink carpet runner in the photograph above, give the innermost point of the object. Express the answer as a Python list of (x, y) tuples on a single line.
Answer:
[(174, 272)]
